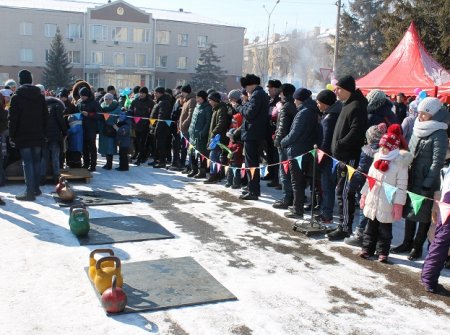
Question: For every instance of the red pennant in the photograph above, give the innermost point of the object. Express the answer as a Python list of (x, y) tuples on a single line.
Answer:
[(320, 155), (137, 119), (371, 182), (106, 116), (285, 166)]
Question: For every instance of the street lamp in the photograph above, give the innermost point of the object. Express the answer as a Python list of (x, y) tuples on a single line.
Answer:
[(269, 14)]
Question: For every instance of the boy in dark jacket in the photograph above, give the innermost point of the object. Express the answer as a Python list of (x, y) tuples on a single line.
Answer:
[(123, 139)]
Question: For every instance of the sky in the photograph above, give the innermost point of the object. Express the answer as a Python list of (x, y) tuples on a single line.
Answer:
[(287, 15)]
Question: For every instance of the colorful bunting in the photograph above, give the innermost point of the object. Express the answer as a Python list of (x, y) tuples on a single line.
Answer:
[(350, 172), (286, 166), (137, 119), (263, 171), (218, 165), (416, 201), (371, 182), (389, 190), (252, 172), (444, 210), (313, 152), (226, 167), (208, 162), (243, 172), (152, 121), (299, 161), (168, 122), (106, 116), (234, 169), (335, 163), (320, 155)]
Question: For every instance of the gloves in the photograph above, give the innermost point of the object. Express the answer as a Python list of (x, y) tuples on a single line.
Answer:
[(362, 201), (397, 212)]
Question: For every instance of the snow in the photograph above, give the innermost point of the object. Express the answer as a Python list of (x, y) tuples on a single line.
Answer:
[(285, 283)]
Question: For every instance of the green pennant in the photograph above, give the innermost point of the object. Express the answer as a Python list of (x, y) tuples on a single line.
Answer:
[(313, 152), (416, 201)]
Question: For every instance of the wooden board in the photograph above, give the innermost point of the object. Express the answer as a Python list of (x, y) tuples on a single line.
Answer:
[(69, 174)]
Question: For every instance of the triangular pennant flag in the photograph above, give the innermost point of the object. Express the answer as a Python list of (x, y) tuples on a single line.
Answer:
[(389, 190), (196, 151), (299, 161), (213, 165), (137, 119), (350, 172), (371, 182), (234, 169), (313, 152), (263, 171), (226, 167), (208, 162), (202, 158), (77, 115), (252, 172), (416, 201), (218, 165), (181, 134), (243, 172), (320, 155), (444, 210), (152, 121), (106, 116), (335, 163), (168, 122), (285, 166)]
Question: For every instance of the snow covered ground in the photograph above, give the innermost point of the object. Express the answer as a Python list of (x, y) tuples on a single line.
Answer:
[(285, 283)]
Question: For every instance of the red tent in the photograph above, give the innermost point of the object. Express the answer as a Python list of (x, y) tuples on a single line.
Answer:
[(408, 67)]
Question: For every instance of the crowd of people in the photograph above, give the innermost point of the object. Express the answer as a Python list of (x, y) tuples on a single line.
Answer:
[(249, 135)]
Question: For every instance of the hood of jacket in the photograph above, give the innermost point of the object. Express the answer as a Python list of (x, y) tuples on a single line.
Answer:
[(382, 109), (442, 115), (29, 92), (357, 96)]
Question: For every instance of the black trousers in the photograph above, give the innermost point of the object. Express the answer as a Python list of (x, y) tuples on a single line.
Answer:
[(299, 178), (162, 143), (141, 149), (89, 152), (251, 149), (377, 236), (345, 196), (123, 158)]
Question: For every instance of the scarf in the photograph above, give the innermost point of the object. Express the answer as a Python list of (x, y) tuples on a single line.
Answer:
[(382, 163), (426, 128)]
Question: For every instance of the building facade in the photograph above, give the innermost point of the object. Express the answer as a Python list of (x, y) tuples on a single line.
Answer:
[(115, 43)]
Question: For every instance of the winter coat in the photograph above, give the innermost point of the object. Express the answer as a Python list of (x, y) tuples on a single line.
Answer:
[(28, 117), (123, 138), (92, 107), (328, 123), (407, 127), (3, 119), (351, 125), (75, 133), (220, 123), (429, 156), (237, 158), (107, 144), (380, 114), (162, 111), (377, 205), (304, 130), (199, 127), (284, 121), (56, 126), (256, 116), (365, 161), (186, 113), (142, 108), (401, 111)]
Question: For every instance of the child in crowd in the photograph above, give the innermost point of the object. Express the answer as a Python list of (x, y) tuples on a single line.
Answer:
[(236, 157), (123, 138), (75, 141), (389, 169), (408, 122), (373, 137)]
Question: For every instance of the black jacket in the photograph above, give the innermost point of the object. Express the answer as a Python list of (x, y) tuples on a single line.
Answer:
[(56, 126), (284, 120), (28, 117), (162, 111), (92, 107), (256, 116), (381, 114), (142, 108), (350, 130), (328, 124)]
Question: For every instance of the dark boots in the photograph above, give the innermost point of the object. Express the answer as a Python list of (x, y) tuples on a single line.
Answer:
[(108, 165), (421, 236), (201, 174), (407, 245), (193, 172), (213, 178)]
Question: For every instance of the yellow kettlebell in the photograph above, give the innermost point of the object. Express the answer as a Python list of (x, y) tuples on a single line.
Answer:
[(92, 260), (103, 275)]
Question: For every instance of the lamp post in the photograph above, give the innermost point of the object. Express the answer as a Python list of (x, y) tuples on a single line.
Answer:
[(266, 65)]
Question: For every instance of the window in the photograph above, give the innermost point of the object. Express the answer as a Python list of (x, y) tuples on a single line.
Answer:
[(160, 82), (119, 59), (74, 57), (140, 60), (161, 61), (120, 34), (50, 29), (162, 37), (26, 28), (180, 82), (183, 40), (182, 63), (97, 57), (74, 30), (26, 55), (141, 35), (93, 79), (202, 41), (98, 32)]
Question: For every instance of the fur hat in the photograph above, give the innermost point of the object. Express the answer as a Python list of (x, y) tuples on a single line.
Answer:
[(160, 90), (143, 89), (234, 94), (84, 92), (202, 94), (430, 105), (374, 133), (274, 83), (326, 97), (288, 89), (347, 83), (250, 79), (25, 77), (302, 94), (215, 96), (186, 88), (10, 83)]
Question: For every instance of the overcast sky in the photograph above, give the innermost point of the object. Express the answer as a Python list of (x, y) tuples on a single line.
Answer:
[(287, 15)]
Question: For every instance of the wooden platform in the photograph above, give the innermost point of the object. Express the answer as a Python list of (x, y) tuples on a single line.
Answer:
[(69, 174)]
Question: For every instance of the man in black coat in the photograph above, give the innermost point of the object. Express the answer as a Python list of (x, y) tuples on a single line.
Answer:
[(162, 112), (253, 130), (348, 138), (27, 128)]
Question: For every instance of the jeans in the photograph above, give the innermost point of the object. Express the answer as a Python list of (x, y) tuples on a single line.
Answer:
[(285, 178), (328, 181), (31, 161), (53, 149), (214, 156)]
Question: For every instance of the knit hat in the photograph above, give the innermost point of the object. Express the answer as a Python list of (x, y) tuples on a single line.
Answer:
[(143, 90), (84, 92), (376, 98), (186, 88), (25, 77), (215, 96), (234, 94), (202, 94), (391, 140), (136, 89), (274, 83), (160, 90), (250, 79), (374, 133), (287, 89), (430, 105), (110, 88), (244, 92), (10, 83), (302, 94), (413, 107), (64, 93), (238, 119), (326, 97), (108, 96), (347, 83)]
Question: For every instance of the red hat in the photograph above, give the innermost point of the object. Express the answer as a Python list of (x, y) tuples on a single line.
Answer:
[(393, 139), (238, 119)]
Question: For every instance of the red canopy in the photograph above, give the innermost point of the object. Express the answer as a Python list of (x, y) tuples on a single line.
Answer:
[(408, 67)]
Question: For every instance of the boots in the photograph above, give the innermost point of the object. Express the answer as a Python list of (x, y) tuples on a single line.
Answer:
[(421, 236), (108, 165), (213, 179), (406, 246), (201, 174), (193, 172)]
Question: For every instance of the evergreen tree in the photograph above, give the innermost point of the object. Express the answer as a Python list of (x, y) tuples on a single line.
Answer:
[(209, 74), (361, 43), (58, 72)]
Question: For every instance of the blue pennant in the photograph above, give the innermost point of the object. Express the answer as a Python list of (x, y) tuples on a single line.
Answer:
[(263, 171), (335, 163), (168, 122), (389, 190)]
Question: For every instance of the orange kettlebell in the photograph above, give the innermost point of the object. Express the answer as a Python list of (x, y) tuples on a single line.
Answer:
[(104, 274), (93, 261)]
